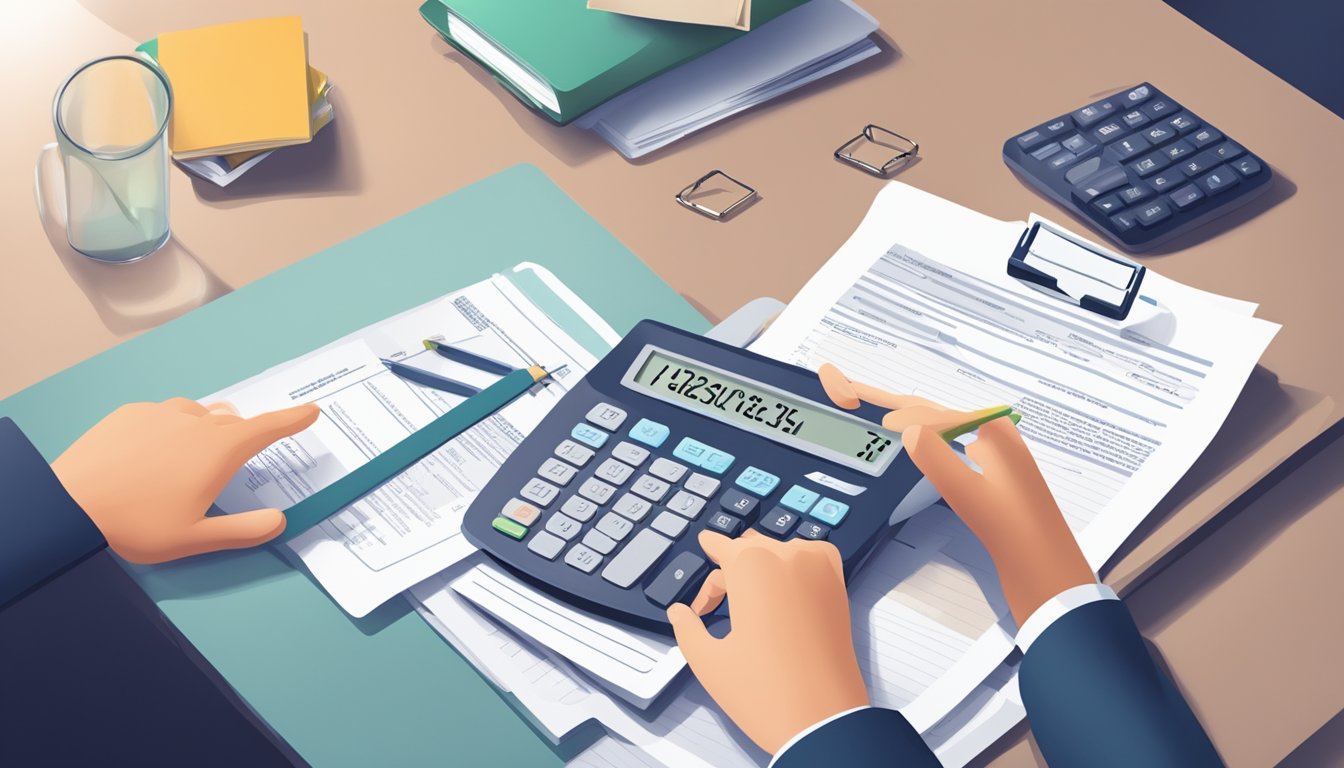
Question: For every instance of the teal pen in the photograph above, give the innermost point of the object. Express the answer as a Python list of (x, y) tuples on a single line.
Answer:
[(465, 357), (431, 380)]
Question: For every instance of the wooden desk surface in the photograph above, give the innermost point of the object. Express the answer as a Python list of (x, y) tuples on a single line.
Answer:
[(414, 121)]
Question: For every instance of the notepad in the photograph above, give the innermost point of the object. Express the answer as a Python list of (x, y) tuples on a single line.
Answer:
[(237, 87)]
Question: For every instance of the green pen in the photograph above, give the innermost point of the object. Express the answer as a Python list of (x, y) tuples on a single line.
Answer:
[(983, 417)]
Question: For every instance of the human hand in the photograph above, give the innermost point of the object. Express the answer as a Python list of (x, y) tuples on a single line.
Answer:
[(147, 473), (1007, 506), (786, 596)]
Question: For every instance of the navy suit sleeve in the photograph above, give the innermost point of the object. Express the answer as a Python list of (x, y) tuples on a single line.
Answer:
[(868, 737), (1095, 698), (42, 530)]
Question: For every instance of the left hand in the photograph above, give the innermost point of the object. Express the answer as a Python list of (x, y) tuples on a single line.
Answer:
[(147, 474)]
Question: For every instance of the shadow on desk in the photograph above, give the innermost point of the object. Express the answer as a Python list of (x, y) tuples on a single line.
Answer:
[(327, 166)]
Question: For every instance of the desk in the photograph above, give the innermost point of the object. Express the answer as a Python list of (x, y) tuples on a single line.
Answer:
[(414, 122)]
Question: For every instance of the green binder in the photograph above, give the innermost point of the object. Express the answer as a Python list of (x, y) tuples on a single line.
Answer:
[(576, 58), (385, 689)]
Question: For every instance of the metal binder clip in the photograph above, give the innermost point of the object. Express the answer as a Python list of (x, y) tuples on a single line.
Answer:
[(873, 139), (685, 196)]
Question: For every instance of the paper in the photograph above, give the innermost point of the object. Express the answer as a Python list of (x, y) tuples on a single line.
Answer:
[(409, 528), (719, 13)]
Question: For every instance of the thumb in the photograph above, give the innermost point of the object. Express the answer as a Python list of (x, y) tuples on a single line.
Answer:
[(245, 529), (694, 640), (936, 459), (263, 429)]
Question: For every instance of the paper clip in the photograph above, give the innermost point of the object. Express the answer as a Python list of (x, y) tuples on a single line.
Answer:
[(685, 195), (877, 136)]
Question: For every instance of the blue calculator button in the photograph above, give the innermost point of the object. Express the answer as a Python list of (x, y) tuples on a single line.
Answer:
[(650, 433), (757, 481), (799, 499), (690, 451), (830, 511), (588, 435), (717, 461)]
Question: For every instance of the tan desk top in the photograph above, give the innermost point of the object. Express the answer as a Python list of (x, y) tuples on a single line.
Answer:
[(415, 121)]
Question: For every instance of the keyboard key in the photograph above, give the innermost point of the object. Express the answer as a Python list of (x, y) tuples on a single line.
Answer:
[(589, 435), (1123, 221), (583, 558), (813, 531), (650, 433), (597, 491), (557, 471), (1108, 204), (686, 505), (1228, 150), (1031, 139), (1046, 151), (650, 488), (599, 542), (520, 512), (631, 506), (1099, 183), (1132, 195), (563, 526), (574, 453), (1135, 119), (614, 472), (1060, 160), (1247, 166), (1052, 130), (799, 499), (546, 545), (757, 481), (606, 416), (674, 578), (717, 461), (1109, 132), (702, 485), (669, 524), (830, 511), (614, 526), (737, 502), (1166, 180), (1183, 123), (539, 491), (578, 508), (1159, 134), (1178, 150), (1093, 112), (666, 469), (1129, 146), (637, 557), (509, 528), (629, 453), (1205, 136), (1199, 163), (1152, 213), (1160, 108), (1136, 97), (780, 521), (1083, 170), (1150, 164), (690, 451), (1076, 144), (725, 523), (1186, 196), (1220, 180)]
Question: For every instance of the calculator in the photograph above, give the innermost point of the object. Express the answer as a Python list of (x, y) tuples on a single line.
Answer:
[(671, 434), (1138, 167)]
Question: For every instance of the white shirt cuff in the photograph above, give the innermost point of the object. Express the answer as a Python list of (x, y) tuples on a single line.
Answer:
[(1053, 610), (802, 734)]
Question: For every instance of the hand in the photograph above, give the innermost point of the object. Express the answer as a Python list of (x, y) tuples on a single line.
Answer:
[(1008, 506), (788, 662), (147, 474)]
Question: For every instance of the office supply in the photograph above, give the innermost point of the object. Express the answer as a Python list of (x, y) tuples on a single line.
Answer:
[(1137, 167), (732, 193), (1067, 267), (735, 14), (467, 357), (886, 150), (427, 379), (563, 59), (801, 46)]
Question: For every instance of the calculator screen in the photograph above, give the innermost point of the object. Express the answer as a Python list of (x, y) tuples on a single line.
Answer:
[(763, 410)]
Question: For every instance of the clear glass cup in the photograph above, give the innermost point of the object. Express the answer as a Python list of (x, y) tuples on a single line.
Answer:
[(111, 119)]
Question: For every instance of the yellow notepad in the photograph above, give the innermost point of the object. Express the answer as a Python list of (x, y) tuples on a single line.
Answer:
[(237, 87)]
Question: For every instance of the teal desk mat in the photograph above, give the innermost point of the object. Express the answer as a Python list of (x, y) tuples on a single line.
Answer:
[(383, 690)]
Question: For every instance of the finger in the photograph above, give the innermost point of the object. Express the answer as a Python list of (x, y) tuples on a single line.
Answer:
[(936, 459), (718, 547), (183, 405), (222, 418), (1000, 447), (838, 387), (711, 593), (696, 644), (936, 418), (262, 430), (223, 409), (245, 529), (885, 399)]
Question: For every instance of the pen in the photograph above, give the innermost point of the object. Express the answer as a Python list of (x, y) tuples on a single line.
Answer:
[(459, 355), (432, 380), (981, 418)]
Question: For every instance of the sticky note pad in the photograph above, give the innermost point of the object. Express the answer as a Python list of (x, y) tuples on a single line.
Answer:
[(237, 87)]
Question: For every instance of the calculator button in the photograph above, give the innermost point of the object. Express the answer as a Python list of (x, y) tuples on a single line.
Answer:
[(1152, 213), (614, 526), (813, 531), (686, 505), (1060, 160), (578, 508), (1046, 151), (669, 524), (650, 433), (1100, 183), (1076, 144), (1186, 196), (583, 558), (1221, 180), (830, 511), (563, 526), (557, 472), (702, 485), (1246, 166), (520, 512), (574, 453), (676, 576), (1183, 123), (650, 488), (1109, 132), (724, 523), (1228, 150), (599, 542), (596, 490), (1083, 170), (630, 453), (1166, 180), (1132, 195), (509, 528), (1030, 140), (1108, 204), (1159, 108), (690, 451), (1129, 146), (1159, 134), (1123, 221), (546, 545), (589, 435), (1053, 129), (1205, 136), (631, 506), (637, 557), (1134, 119), (1199, 163), (667, 469), (539, 491), (717, 461), (799, 499), (606, 416), (737, 502), (757, 481), (1178, 150), (1150, 164), (614, 472), (1093, 112), (1136, 96), (779, 521)]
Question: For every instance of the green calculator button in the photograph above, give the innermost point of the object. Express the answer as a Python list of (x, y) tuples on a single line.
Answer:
[(509, 528)]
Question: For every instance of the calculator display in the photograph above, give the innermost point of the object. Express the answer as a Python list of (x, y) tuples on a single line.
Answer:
[(763, 410)]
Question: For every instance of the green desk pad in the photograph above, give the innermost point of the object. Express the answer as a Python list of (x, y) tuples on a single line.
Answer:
[(383, 690)]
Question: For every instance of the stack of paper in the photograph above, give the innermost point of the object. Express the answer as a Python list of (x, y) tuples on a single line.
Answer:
[(240, 91)]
